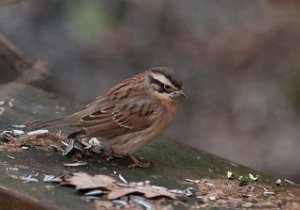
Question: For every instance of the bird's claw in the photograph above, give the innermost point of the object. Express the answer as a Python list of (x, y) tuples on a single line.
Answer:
[(137, 163), (112, 154)]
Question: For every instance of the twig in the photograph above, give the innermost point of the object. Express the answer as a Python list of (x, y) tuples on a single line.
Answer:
[(14, 50), (33, 71), (9, 2)]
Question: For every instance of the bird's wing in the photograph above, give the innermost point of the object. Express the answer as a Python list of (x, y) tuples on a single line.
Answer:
[(111, 120)]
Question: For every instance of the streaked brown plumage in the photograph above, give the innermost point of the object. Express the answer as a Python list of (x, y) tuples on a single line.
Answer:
[(130, 114)]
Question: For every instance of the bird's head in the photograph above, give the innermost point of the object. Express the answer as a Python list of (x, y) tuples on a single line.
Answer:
[(165, 84)]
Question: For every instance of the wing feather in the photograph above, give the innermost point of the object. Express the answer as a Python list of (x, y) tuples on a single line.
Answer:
[(130, 116)]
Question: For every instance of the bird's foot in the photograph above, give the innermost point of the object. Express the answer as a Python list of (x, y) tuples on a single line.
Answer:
[(111, 153), (137, 163)]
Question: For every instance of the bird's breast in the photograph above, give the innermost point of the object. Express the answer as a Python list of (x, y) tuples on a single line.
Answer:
[(129, 143)]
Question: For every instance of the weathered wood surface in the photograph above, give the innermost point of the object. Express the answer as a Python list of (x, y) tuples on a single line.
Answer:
[(172, 162)]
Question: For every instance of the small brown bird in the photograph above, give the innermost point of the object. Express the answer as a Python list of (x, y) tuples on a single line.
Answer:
[(130, 114)]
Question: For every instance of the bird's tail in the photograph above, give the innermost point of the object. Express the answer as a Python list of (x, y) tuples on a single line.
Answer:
[(46, 123)]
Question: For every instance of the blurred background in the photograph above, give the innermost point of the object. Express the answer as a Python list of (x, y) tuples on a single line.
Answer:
[(239, 61)]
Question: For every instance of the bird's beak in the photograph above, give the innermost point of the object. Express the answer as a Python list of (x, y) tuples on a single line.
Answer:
[(182, 93)]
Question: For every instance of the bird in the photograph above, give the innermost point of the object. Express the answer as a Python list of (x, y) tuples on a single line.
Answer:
[(129, 115)]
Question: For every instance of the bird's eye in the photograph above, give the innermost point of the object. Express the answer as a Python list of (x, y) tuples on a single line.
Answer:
[(167, 87)]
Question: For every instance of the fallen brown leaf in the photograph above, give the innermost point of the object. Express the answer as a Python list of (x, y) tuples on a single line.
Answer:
[(148, 191), (103, 204), (83, 181)]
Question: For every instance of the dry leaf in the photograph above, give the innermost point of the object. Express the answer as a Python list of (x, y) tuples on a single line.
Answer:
[(148, 191), (100, 205), (83, 181)]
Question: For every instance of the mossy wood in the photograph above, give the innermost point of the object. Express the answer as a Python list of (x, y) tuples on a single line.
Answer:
[(172, 162)]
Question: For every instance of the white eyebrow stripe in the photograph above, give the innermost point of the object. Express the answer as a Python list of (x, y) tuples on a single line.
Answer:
[(163, 79)]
